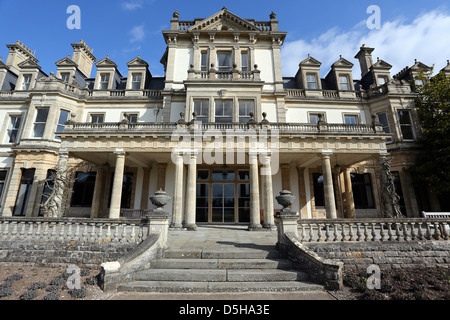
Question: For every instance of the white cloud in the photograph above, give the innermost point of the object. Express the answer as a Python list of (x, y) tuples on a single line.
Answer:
[(398, 43), (137, 34), (132, 5)]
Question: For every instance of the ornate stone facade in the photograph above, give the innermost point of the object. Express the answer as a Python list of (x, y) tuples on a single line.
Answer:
[(222, 133)]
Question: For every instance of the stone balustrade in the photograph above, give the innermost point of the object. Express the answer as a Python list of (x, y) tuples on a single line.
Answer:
[(73, 229), (315, 230), (287, 128)]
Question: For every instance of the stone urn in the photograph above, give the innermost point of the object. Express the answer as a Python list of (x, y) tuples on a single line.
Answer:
[(285, 199), (159, 200)]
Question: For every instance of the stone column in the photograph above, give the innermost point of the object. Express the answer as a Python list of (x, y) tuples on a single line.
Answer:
[(161, 183), (302, 200), (255, 221), (191, 187), (348, 193), (145, 188), (268, 195), (177, 212), (98, 192), (116, 196), (330, 205)]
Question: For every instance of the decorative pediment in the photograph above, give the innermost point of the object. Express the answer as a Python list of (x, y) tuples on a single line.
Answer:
[(342, 63), (380, 64), (66, 62), (29, 64), (137, 62), (420, 66), (224, 20), (106, 62), (311, 62)]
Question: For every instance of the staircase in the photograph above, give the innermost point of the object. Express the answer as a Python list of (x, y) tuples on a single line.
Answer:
[(214, 270)]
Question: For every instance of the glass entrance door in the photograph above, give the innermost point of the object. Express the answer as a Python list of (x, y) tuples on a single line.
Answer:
[(223, 202)]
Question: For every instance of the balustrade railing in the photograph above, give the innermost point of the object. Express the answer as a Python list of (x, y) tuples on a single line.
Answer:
[(373, 230), (72, 229)]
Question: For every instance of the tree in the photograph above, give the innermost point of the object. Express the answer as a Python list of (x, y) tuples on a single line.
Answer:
[(433, 105)]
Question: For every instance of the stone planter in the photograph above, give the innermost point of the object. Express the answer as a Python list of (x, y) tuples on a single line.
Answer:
[(159, 200), (285, 199)]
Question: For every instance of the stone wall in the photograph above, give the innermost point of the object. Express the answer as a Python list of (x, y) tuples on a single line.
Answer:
[(62, 252), (387, 255)]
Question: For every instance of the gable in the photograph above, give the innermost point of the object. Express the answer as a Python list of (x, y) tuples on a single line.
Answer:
[(224, 20), (66, 61), (310, 61), (29, 64), (380, 64), (106, 62), (343, 63), (137, 62)]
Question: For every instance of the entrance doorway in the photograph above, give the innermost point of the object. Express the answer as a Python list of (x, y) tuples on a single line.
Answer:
[(223, 196)]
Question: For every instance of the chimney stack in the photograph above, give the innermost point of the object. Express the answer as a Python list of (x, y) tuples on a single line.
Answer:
[(83, 57), (365, 59)]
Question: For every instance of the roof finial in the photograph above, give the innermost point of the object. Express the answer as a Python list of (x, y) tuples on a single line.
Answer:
[(176, 15), (224, 8), (273, 16)]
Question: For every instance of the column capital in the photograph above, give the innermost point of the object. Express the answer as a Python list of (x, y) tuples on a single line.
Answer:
[(119, 152), (326, 154)]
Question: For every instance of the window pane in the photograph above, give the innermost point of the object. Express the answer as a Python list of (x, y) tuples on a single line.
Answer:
[(350, 119), (204, 61), (224, 61), (41, 115), (403, 117), (319, 197), (224, 111), (244, 61), (381, 80), (362, 191), (201, 107), (245, 108), (314, 117), (96, 118), (382, 117), (311, 81), (343, 81)]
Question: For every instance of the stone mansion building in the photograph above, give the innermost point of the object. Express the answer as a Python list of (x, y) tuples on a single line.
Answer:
[(223, 132)]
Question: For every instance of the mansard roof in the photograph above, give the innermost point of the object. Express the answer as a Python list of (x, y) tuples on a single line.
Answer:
[(224, 20)]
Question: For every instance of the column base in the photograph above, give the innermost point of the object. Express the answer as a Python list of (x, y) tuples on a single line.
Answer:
[(190, 227), (270, 227), (176, 226), (255, 227)]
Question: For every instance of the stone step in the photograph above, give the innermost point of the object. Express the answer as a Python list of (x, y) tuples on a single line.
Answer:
[(220, 254), (220, 275), (186, 286), (188, 263)]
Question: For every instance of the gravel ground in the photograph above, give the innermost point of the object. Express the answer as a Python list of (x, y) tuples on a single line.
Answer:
[(22, 282)]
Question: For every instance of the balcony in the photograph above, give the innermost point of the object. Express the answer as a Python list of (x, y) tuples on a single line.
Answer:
[(169, 127), (216, 75)]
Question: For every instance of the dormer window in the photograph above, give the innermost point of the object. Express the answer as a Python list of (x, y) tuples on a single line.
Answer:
[(381, 80), (311, 81), (344, 83), (224, 61), (26, 82), (104, 81), (136, 81), (65, 77)]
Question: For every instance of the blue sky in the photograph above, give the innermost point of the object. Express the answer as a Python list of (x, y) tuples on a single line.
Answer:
[(326, 29)]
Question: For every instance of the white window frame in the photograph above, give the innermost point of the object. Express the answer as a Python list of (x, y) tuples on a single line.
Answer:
[(204, 105), (316, 114), (62, 125), (410, 124), (136, 84), (13, 127), (247, 104), (204, 61), (102, 82), (97, 114), (346, 83), (65, 76), (26, 84), (351, 115), (223, 116), (245, 61), (4, 183), (308, 81), (225, 67), (40, 123)]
